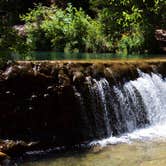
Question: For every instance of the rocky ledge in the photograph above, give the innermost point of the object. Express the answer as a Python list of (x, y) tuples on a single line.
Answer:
[(40, 102)]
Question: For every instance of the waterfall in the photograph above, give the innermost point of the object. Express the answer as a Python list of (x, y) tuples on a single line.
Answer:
[(97, 104), (139, 108), (71, 103), (153, 92), (102, 87), (115, 110)]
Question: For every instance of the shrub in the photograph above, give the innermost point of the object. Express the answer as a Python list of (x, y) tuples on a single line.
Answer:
[(131, 42), (67, 29), (96, 41)]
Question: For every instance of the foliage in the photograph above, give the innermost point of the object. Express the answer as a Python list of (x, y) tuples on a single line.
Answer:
[(123, 29), (96, 40), (68, 30), (131, 42), (130, 24), (118, 26), (11, 41), (14, 8)]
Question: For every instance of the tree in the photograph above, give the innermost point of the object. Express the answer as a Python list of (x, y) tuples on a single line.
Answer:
[(124, 17)]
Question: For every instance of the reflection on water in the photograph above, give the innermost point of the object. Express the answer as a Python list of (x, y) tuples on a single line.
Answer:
[(85, 56), (136, 154), (78, 56)]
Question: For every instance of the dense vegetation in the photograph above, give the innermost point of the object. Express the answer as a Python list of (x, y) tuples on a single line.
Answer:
[(117, 26)]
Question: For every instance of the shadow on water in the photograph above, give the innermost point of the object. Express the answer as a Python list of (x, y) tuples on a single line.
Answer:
[(50, 155)]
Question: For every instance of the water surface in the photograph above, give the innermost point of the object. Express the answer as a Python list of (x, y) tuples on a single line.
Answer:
[(135, 154), (51, 55)]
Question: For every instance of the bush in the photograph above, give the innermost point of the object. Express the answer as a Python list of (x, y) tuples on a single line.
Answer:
[(69, 30), (132, 38), (96, 41), (11, 41), (119, 27), (131, 42)]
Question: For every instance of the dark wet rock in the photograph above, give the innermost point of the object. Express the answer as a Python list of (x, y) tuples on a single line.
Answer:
[(4, 159), (109, 75), (15, 148), (78, 78), (161, 68), (64, 80), (3, 156), (145, 67), (44, 68), (11, 72), (98, 70), (123, 72)]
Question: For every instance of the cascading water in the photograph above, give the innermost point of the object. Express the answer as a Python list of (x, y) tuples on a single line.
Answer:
[(102, 86), (153, 92), (97, 105), (138, 108)]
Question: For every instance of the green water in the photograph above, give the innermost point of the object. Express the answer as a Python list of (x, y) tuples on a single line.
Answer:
[(76, 56), (85, 56), (136, 154)]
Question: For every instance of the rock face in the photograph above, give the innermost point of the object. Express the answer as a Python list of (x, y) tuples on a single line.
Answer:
[(42, 101)]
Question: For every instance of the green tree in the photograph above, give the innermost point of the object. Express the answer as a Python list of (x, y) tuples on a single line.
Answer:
[(123, 17)]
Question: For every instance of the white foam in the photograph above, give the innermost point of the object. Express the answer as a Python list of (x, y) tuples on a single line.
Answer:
[(145, 134)]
